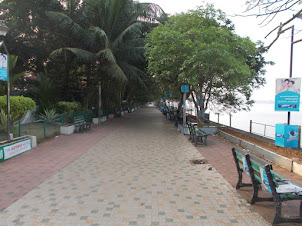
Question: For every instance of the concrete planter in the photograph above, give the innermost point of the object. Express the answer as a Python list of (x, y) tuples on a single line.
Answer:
[(209, 129), (15, 147), (67, 130), (99, 120)]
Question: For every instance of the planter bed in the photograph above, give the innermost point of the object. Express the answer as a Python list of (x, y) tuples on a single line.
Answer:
[(15, 147), (67, 130)]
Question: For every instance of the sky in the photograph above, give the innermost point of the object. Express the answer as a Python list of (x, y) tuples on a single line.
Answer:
[(279, 53)]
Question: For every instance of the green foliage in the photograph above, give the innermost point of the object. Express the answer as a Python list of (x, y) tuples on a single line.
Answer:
[(44, 92), (67, 107), (3, 121), (200, 48), (51, 116), (19, 106), (109, 41)]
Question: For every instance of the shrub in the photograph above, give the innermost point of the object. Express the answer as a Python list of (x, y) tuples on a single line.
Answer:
[(19, 106), (50, 115), (67, 107)]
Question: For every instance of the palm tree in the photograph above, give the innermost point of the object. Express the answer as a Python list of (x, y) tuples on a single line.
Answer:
[(110, 38)]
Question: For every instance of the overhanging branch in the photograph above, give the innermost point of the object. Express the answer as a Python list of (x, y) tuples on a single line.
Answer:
[(280, 27)]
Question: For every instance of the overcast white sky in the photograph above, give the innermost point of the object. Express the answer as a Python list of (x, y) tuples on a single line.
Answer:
[(249, 26)]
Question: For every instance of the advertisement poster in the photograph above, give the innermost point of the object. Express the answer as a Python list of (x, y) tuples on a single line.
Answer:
[(287, 135), (287, 94), (10, 151), (3, 67), (245, 166), (265, 180)]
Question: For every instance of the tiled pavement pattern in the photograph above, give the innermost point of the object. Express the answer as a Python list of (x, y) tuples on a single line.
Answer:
[(21, 174), (139, 174)]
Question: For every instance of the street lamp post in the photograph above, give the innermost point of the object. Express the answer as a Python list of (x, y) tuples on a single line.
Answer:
[(292, 42), (3, 32)]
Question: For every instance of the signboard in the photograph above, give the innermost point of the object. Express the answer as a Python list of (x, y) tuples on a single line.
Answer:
[(287, 94), (184, 88), (287, 135), (169, 94), (3, 67), (14, 149)]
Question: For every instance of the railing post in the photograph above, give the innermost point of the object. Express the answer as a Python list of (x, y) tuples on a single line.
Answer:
[(19, 127), (230, 120), (251, 126), (44, 126), (62, 119), (264, 129)]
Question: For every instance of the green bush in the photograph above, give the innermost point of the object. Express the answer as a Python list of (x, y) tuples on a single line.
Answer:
[(50, 115), (67, 107), (19, 106)]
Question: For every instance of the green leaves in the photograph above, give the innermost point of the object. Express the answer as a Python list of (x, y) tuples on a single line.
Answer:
[(19, 106), (200, 48)]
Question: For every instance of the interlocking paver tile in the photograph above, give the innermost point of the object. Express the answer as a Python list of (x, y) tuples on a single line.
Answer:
[(138, 174)]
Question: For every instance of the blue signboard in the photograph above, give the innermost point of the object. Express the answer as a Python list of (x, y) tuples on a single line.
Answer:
[(287, 94), (287, 135), (3, 67), (169, 94), (184, 88)]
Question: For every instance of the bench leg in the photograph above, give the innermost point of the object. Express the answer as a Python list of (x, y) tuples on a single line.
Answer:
[(300, 209), (277, 217), (255, 194), (205, 140)]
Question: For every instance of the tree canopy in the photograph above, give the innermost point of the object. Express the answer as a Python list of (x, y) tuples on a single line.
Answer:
[(200, 48), (80, 43)]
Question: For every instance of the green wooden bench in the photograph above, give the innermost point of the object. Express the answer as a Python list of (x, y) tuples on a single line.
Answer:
[(80, 123), (242, 161), (262, 174), (282, 190), (199, 135)]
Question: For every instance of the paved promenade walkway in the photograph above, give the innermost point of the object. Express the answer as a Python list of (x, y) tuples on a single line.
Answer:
[(130, 171)]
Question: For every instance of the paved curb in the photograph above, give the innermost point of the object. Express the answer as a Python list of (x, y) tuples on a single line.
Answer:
[(288, 164)]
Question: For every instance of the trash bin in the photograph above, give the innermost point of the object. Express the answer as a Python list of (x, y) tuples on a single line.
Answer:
[(120, 114), (287, 135)]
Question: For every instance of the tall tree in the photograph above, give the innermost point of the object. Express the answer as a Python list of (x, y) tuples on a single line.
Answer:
[(110, 39), (200, 48), (29, 31)]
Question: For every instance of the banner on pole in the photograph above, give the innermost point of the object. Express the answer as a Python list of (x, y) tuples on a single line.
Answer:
[(3, 67), (184, 88), (287, 94)]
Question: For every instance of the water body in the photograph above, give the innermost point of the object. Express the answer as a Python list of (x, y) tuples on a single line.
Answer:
[(262, 112)]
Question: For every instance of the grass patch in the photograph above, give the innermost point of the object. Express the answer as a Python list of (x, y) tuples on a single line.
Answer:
[(35, 129)]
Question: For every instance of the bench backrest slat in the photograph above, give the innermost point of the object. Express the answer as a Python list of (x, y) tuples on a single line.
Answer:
[(254, 163), (79, 119)]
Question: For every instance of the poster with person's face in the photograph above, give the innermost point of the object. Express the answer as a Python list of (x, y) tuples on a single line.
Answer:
[(287, 94), (3, 67)]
